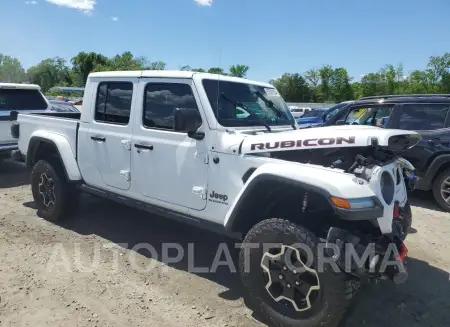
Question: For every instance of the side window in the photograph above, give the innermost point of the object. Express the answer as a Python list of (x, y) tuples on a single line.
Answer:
[(423, 116), (370, 115), (113, 104), (354, 114), (161, 100)]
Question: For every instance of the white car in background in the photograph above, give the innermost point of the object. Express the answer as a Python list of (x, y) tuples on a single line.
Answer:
[(17, 98), (298, 111)]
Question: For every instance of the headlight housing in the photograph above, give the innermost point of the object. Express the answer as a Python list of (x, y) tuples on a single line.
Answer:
[(356, 203)]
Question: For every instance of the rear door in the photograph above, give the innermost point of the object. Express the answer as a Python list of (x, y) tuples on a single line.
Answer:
[(23, 100), (431, 122), (109, 134)]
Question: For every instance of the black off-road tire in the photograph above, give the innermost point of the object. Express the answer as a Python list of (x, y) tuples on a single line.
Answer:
[(337, 289), (65, 195), (437, 190)]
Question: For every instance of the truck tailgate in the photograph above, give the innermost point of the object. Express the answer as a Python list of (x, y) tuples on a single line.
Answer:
[(31, 125), (5, 133)]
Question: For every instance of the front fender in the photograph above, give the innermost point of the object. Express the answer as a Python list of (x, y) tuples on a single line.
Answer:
[(63, 147), (426, 180), (324, 181)]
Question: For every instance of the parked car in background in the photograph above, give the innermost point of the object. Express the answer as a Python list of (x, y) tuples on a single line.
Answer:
[(16, 98), (298, 111), (319, 116), (311, 118), (426, 114), (62, 106)]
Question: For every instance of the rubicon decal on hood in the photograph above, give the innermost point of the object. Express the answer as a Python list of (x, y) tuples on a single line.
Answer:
[(303, 143), (323, 137)]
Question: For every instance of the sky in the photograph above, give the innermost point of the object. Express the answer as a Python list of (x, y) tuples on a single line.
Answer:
[(270, 36)]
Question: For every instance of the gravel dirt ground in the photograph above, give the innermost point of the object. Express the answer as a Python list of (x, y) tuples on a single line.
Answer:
[(87, 270)]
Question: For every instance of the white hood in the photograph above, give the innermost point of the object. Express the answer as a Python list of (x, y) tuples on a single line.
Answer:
[(329, 137)]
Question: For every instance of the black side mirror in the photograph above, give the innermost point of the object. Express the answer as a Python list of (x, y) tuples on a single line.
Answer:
[(188, 120)]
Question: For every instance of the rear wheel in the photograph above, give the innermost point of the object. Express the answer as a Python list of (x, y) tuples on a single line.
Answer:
[(53, 196), (441, 190), (284, 281)]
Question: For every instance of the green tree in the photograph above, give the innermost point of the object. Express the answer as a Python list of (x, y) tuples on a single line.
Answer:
[(216, 70), (11, 70), (372, 84), (157, 65), (438, 69), (340, 85), (124, 61), (356, 90), (83, 64), (189, 68), (239, 70), (419, 81), (326, 74), (50, 72), (313, 77), (293, 88)]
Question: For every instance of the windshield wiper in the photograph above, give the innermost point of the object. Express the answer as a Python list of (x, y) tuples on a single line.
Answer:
[(274, 108), (250, 111)]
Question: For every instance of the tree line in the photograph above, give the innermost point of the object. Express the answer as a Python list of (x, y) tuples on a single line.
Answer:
[(324, 84), (56, 71)]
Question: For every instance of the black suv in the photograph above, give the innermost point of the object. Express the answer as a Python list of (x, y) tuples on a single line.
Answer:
[(427, 115)]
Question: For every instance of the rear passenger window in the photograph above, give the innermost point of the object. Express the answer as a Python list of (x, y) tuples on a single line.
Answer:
[(161, 100), (113, 103), (423, 116)]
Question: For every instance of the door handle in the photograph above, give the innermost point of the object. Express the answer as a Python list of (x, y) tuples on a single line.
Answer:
[(98, 138), (143, 146)]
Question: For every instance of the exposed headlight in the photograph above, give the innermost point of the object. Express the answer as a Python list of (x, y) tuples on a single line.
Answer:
[(357, 203)]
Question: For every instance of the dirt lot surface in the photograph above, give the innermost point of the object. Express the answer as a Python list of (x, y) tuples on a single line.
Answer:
[(85, 272)]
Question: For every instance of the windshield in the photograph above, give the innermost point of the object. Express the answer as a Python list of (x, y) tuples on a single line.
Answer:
[(314, 113), (246, 97), (19, 99)]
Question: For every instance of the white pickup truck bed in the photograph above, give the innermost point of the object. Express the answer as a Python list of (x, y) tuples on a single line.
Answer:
[(32, 125)]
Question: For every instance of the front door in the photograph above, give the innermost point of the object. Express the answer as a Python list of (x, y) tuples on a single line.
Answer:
[(168, 166), (109, 135)]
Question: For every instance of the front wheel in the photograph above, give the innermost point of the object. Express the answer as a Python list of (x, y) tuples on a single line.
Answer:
[(279, 268), (51, 192), (441, 190)]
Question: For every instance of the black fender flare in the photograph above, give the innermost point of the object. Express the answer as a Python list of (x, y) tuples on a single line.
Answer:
[(248, 200), (426, 182), (247, 197)]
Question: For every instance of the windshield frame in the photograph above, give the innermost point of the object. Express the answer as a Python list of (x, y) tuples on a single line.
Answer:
[(213, 91)]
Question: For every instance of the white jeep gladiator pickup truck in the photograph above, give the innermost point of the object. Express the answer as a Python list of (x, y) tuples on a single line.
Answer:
[(178, 144)]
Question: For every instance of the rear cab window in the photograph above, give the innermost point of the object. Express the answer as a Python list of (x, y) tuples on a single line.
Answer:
[(16, 99), (113, 103)]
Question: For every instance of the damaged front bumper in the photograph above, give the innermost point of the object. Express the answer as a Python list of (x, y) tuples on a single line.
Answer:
[(383, 257)]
